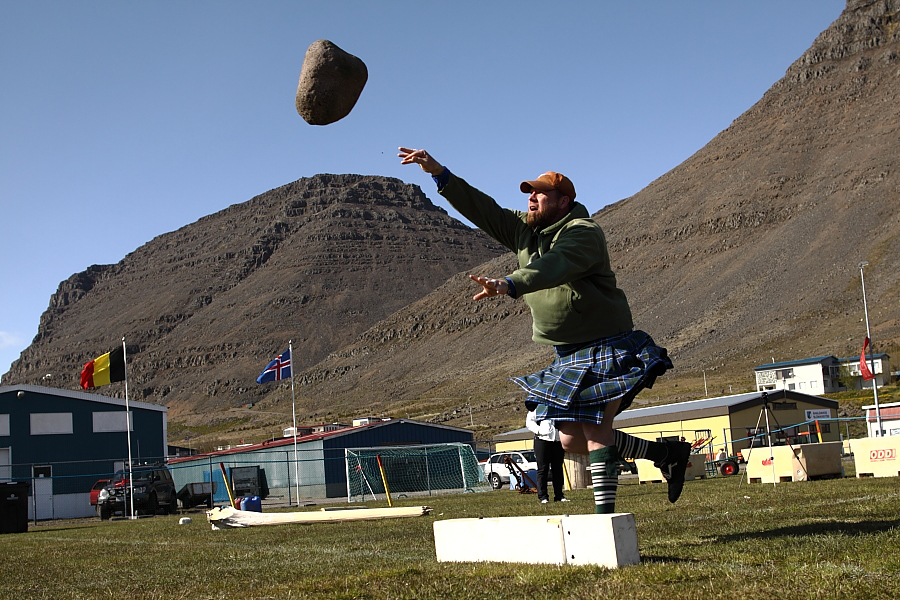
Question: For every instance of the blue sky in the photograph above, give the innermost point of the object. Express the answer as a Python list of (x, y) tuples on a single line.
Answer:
[(121, 121)]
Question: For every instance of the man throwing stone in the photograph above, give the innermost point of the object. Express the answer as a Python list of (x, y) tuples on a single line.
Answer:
[(565, 277)]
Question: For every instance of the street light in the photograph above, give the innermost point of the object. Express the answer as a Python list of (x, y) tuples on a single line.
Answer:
[(862, 280)]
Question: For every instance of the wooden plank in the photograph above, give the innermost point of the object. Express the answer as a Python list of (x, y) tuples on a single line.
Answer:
[(228, 517)]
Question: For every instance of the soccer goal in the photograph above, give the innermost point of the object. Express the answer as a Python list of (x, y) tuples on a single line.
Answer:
[(412, 470)]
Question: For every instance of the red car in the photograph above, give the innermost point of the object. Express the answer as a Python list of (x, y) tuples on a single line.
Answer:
[(95, 491)]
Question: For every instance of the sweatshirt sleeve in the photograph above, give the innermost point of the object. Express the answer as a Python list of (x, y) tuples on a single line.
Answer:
[(530, 423), (500, 223)]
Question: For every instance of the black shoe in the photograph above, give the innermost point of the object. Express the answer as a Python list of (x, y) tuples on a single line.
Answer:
[(674, 466)]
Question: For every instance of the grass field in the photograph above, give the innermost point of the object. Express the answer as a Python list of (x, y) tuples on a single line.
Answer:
[(724, 539)]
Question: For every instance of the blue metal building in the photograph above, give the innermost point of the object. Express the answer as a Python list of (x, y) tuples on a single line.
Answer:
[(62, 441), (320, 469)]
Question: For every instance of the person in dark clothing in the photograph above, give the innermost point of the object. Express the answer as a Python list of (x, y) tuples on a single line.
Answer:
[(550, 455)]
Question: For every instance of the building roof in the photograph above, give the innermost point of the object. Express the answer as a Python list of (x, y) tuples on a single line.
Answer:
[(710, 407), (77, 395), (853, 359), (795, 363), (511, 436), (285, 441), (695, 409)]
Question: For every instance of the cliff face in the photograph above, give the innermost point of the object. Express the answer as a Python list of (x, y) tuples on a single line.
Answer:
[(204, 308)]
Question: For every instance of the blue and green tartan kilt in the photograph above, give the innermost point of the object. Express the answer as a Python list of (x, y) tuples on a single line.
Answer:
[(585, 377)]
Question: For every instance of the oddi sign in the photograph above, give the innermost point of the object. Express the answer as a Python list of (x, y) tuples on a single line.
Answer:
[(883, 454)]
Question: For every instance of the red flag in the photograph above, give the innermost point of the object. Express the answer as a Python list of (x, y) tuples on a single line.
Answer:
[(863, 367)]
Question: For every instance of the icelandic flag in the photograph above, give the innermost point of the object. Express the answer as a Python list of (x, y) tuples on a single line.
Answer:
[(278, 369)]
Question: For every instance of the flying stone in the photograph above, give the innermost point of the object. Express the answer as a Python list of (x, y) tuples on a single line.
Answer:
[(331, 81)]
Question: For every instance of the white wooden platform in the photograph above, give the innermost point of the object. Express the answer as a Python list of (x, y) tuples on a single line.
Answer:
[(605, 540)]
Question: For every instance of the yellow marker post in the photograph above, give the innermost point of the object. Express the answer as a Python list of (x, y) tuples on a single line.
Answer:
[(387, 490), (227, 485)]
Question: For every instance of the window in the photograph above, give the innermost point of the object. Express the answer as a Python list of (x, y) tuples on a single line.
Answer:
[(813, 385), (51, 423), (792, 386), (111, 421), (4, 424), (784, 406), (802, 385)]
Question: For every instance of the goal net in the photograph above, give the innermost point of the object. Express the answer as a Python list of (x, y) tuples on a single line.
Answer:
[(412, 470)]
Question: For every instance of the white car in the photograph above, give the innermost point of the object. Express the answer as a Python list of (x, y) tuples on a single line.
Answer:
[(497, 472)]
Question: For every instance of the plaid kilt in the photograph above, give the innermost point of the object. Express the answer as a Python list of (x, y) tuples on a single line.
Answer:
[(585, 377)]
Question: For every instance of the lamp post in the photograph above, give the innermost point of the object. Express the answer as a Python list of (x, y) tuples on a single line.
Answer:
[(862, 280)]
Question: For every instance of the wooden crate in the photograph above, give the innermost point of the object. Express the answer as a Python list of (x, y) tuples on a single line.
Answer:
[(647, 473), (605, 540), (876, 457), (578, 476), (797, 463)]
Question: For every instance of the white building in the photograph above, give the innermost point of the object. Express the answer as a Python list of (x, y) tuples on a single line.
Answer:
[(880, 361), (890, 419), (818, 375)]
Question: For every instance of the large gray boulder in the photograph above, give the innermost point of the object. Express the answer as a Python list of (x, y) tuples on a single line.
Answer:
[(331, 81)]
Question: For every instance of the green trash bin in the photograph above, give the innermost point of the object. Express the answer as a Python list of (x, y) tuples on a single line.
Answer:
[(13, 507)]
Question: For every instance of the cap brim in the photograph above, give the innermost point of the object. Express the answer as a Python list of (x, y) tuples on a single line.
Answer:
[(541, 186)]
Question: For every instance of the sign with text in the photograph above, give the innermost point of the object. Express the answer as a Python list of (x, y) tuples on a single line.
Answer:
[(883, 454), (818, 413)]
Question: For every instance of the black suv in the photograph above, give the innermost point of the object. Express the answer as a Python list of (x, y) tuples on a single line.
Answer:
[(153, 487)]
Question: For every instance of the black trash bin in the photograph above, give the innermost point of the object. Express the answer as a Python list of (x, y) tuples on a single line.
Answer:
[(13, 507)]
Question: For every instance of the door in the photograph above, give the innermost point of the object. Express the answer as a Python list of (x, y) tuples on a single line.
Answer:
[(5, 468), (43, 491)]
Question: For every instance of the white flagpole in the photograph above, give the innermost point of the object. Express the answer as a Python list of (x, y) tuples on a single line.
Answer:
[(294, 413), (871, 362), (128, 428)]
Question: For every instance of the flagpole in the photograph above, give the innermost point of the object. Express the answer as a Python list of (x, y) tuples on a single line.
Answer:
[(862, 280), (128, 428), (294, 413)]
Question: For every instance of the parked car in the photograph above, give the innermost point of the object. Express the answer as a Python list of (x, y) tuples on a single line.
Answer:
[(154, 490), (496, 471), (95, 491)]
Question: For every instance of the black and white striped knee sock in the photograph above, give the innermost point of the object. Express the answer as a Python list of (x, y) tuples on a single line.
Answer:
[(634, 447), (605, 479)]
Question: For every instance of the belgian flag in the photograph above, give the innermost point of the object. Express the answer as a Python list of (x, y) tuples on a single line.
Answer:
[(105, 369)]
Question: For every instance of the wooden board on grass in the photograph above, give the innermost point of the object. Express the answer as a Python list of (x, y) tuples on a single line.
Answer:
[(227, 517)]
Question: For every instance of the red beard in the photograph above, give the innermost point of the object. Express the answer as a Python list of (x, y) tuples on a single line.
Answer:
[(543, 218)]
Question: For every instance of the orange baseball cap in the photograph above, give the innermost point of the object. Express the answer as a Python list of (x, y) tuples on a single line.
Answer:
[(550, 180)]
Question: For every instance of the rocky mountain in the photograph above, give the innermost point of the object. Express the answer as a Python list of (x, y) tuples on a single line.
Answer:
[(204, 308), (747, 252)]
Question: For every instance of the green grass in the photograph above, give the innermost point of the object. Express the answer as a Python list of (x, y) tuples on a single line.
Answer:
[(724, 539)]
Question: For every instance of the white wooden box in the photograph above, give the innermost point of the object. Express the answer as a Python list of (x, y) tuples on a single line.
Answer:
[(605, 540)]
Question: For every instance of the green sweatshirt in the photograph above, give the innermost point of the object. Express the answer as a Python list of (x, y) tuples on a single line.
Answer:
[(564, 273)]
